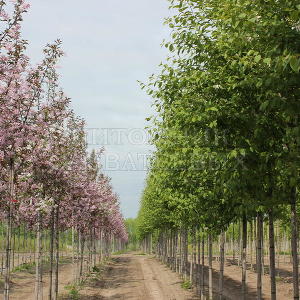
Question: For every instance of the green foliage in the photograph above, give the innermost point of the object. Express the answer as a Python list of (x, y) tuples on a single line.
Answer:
[(73, 292), (96, 269), (226, 128), (26, 267), (131, 227), (187, 285)]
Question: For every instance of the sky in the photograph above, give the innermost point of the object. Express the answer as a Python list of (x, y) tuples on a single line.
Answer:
[(109, 46)]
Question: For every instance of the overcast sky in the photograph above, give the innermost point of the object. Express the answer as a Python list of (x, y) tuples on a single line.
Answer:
[(109, 46)]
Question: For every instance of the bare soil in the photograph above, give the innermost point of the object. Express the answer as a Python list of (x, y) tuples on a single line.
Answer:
[(137, 277), (140, 277), (233, 285), (23, 283)]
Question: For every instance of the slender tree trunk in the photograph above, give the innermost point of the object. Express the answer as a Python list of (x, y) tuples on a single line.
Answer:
[(203, 269), (176, 252), (198, 262), (244, 257), (51, 254), (294, 243), (57, 252), (251, 245), (101, 245), (94, 248), (81, 255), (192, 257), (73, 253), (89, 246), (259, 255), (2, 249), (272, 255), (233, 242), (222, 262), (210, 273), (263, 250), (186, 253), (8, 233), (13, 247), (38, 287), (180, 265), (240, 244), (19, 242)]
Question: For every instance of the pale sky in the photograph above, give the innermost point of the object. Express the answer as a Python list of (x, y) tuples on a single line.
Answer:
[(109, 45)]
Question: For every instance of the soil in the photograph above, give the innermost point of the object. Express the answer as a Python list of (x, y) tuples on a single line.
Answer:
[(141, 277), (137, 277), (144, 278), (233, 285), (23, 283)]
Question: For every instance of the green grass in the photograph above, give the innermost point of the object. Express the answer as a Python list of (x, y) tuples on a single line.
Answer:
[(119, 252), (187, 285), (27, 267), (96, 269), (73, 291), (30, 267)]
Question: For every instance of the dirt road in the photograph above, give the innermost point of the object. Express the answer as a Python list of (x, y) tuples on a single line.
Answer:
[(139, 277), (145, 278), (136, 277)]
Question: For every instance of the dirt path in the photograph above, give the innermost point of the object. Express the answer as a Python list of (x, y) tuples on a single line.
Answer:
[(137, 277), (145, 278)]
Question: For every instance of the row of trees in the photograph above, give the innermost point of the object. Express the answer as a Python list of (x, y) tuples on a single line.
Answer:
[(47, 180), (227, 129)]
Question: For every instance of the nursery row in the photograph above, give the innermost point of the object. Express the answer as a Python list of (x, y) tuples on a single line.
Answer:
[(48, 181), (227, 138)]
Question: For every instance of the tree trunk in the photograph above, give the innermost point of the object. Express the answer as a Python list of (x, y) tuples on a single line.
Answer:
[(210, 273), (222, 261), (192, 257), (203, 269), (180, 268), (95, 248), (19, 241), (259, 255), (198, 261), (244, 257), (176, 252), (251, 245), (233, 243), (186, 253), (81, 255), (8, 232), (294, 243), (38, 272), (263, 250), (13, 247), (101, 246), (73, 253), (272, 255), (51, 254), (240, 244), (57, 252)]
